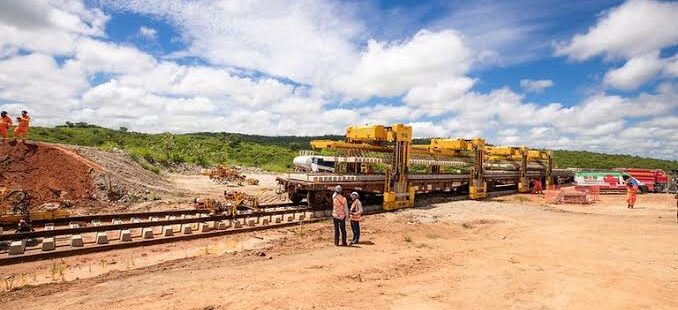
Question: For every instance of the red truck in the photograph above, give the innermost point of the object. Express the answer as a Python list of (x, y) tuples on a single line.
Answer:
[(656, 180)]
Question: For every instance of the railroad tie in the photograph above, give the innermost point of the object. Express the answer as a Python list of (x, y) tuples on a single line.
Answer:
[(48, 243), (101, 237), (76, 241), (187, 229), (125, 235), (17, 247), (147, 233), (167, 231)]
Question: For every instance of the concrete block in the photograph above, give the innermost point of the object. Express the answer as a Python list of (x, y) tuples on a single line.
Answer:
[(327, 213), (73, 225), (220, 225), (168, 231), (318, 214), (187, 229), (310, 215), (236, 224), (251, 221), (116, 222), (49, 226), (155, 219), (1, 230), (101, 238), (204, 227), (290, 218), (147, 233), (17, 247), (125, 235), (277, 219), (301, 216), (265, 220), (76, 241), (96, 223), (48, 244), (136, 220)]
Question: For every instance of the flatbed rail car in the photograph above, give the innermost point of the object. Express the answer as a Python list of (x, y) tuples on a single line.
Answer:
[(316, 188)]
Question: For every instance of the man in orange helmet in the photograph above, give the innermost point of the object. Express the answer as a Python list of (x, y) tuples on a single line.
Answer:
[(22, 129), (5, 123)]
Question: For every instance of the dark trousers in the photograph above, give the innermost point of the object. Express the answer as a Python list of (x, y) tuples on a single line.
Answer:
[(339, 226), (355, 228)]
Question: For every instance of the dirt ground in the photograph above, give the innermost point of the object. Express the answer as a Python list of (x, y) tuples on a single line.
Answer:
[(514, 252)]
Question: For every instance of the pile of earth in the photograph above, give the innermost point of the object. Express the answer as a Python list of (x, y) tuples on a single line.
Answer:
[(47, 173)]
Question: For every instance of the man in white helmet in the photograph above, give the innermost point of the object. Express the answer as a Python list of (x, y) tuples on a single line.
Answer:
[(339, 214), (356, 212)]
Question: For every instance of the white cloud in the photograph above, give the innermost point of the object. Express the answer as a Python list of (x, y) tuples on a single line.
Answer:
[(635, 31), (393, 69), (631, 29), (148, 33), (536, 86), (302, 40), (98, 56), (51, 27), (635, 72)]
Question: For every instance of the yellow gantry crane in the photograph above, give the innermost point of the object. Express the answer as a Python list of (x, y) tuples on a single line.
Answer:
[(396, 140)]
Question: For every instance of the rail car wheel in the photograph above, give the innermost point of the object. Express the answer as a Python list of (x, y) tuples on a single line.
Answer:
[(296, 198)]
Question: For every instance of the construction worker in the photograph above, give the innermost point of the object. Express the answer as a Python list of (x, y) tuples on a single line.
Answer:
[(355, 212), (339, 213), (631, 192), (5, 123), (21, 129)]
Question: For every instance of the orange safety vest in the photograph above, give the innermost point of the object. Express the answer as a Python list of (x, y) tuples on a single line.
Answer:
[(356, 211), (338, 204), (5, 122), (23, 122)]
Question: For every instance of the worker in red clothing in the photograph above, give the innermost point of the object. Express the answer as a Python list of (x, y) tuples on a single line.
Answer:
[(5, 123), (21, 129), (631, 192), (339, 214), (536, 187)]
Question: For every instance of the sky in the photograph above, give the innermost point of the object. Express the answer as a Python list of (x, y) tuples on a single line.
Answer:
[(580, 75)]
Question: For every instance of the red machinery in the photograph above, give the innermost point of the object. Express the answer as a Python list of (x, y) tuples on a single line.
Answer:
[(655, 180)]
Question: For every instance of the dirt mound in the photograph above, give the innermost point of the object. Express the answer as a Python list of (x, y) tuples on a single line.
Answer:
[(48, 173)]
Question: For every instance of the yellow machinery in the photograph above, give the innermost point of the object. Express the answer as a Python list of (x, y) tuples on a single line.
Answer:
[(395, 140), (234, 201), (15, 207), (546, 158), (460, 148)]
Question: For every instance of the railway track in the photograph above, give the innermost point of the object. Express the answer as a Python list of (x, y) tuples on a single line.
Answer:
[(89, 234)]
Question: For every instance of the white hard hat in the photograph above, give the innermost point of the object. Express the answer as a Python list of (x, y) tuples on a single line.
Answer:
[(355, 194), (337, 188)]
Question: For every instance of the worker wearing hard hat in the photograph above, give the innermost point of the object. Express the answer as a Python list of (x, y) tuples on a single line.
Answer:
[(5, 123), (631, 192), (355, 212), (21, 129), (339, 214)]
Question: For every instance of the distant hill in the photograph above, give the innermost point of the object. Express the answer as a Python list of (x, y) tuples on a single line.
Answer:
[(266, 152)]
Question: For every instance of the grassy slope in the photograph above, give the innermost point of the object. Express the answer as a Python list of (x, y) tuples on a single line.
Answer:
[(269, 153)]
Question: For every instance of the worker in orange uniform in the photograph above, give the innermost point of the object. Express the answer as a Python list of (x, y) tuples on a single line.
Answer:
[(21, 129), (5, 123), (339, 214), (631, 192), (355, 212)]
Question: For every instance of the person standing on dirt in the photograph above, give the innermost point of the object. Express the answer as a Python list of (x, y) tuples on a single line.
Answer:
[(5, 123), (355, 213), (339, 213), (631, 192), (21, 129)]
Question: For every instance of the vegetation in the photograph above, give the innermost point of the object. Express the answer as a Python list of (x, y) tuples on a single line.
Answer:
[(269, 153)]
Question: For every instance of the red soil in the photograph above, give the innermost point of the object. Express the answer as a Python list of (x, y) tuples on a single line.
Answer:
[(48, 173)]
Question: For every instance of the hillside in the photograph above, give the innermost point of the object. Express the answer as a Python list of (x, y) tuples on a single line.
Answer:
[(268, 153)]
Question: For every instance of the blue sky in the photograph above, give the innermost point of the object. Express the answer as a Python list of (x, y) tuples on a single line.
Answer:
[(590, 75)]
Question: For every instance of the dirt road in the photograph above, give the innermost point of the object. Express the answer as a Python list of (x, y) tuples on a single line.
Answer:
[(471, 255)]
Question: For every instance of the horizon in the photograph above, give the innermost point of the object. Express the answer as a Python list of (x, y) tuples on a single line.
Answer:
[(597, 76)]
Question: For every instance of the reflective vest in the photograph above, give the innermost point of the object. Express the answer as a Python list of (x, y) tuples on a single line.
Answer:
[(339, 206), (5, 122), (356, 210)]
